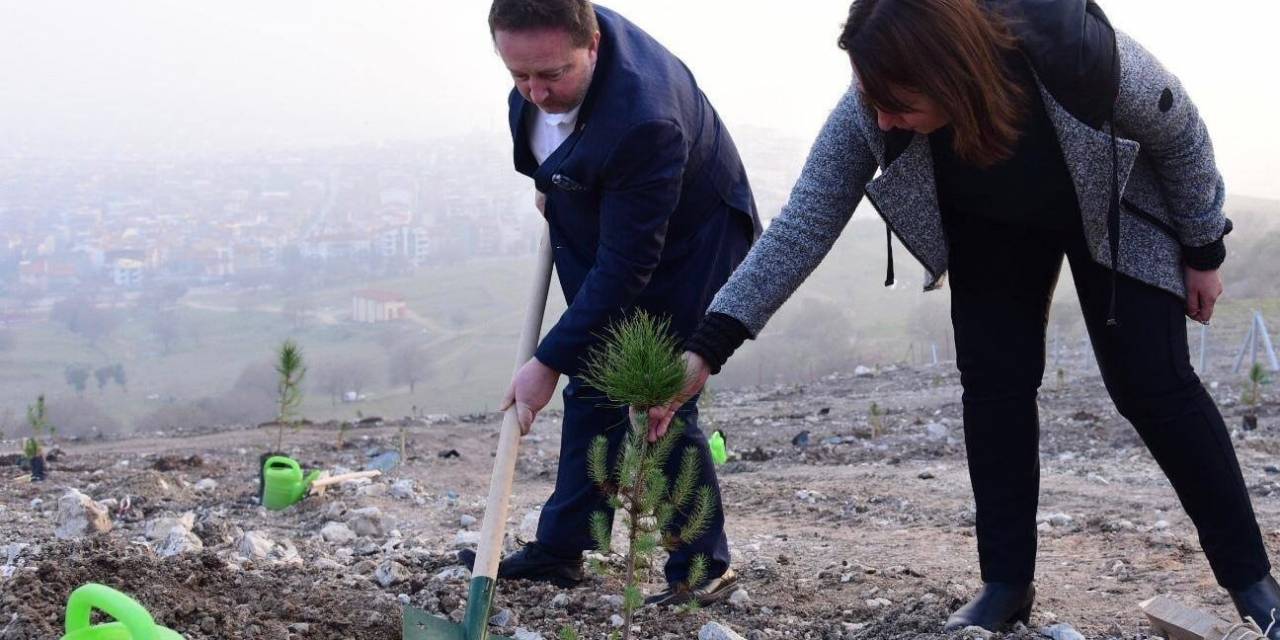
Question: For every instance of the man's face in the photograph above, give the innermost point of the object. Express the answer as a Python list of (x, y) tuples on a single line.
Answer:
[(548, 69)]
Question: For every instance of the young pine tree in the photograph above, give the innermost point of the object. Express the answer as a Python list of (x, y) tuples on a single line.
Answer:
[(290, 367), (639, 366)]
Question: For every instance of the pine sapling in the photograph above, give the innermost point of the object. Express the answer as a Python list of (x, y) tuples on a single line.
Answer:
[(38, 419), (875, 420), (291, 370), (639, 366)]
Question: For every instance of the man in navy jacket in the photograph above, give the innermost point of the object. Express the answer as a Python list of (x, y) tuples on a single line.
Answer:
[(649, 208)]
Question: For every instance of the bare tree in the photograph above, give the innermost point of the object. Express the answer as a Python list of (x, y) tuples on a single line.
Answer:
[(164, 326), (82, 317), (408, 366), (103, 376), (78, 378)]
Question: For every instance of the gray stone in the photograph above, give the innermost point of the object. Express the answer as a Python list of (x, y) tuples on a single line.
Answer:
[(503, 618), (972, 632), (337, 532), (717, 631), (616, 620), (1061, 631), (206, 485), (389, 573), (467, 521), (79, 516), (368, 521), (160, 528), (255, 544), (402, 489), (740, 599), (560, 601), (180, 541), (525, 634)]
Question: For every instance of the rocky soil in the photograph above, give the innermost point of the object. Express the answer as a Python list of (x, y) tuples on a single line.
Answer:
[(843, 525)]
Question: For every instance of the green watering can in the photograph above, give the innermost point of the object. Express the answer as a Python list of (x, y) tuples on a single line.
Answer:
[(719, 448), (132, 621), (283, 484)]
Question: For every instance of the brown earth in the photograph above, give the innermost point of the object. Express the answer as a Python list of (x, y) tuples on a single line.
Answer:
[(853, 535)]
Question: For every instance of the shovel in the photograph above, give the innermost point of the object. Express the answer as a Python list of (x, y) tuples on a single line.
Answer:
[(420, 625)]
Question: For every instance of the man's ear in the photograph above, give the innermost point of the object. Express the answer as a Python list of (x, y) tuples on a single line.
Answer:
[(594, 49)]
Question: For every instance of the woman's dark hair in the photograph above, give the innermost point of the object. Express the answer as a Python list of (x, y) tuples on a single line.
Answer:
[(578, 17), (950, 50)]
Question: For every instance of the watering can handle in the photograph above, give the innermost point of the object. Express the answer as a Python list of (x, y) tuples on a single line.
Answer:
[(282, 461), (504, 464), (124, 609)]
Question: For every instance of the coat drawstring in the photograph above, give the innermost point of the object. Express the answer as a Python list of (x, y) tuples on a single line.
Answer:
[(888, 271)]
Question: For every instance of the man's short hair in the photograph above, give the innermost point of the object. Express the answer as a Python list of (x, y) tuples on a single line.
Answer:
[(577, 17)]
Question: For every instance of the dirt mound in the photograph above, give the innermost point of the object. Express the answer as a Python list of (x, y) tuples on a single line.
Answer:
[(198, 596)]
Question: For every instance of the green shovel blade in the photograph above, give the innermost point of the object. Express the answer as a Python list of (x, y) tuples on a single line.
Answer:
[(420, 625)]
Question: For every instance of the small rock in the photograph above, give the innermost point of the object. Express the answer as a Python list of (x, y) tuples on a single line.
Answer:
[(879, 603), (402, 489), (452, 573), (467, 521), (926, 475), (717, 631), (503, 618), (466, 538), (863, 372), (180, 541), (36, 503), (616, 620), (936, 431), (367, 522), (372, 490), (1160, 525), (529, 525), (255, 544), (160, 528), (801, 439), (206, 485), (975, 632), (79, 516), (561, 601), (1060, 520), (1061, 631), (384, 462), (525, 634), (337, 532), (389, 573), (740, 599)]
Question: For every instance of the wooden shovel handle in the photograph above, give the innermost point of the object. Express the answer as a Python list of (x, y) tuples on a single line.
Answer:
[(504, 464)]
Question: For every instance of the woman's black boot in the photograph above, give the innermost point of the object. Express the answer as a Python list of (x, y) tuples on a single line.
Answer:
[(997, 605), (1260, 601)]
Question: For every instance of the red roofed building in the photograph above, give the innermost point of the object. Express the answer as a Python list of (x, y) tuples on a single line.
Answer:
[(371, 305)]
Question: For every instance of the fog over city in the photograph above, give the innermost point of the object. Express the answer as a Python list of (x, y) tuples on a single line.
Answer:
[(183, 186)]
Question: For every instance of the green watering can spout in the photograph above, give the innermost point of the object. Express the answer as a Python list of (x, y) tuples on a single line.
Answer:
[(283, 482), (132, 620)]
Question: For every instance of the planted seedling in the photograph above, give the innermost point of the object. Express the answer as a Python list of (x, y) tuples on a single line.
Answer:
[(639, 366)]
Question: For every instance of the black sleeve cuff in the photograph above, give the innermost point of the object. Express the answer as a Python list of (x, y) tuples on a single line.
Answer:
[(1210, 256), (716, 338)]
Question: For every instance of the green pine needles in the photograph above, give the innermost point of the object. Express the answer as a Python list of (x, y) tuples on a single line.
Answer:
[(38, 420), (639, 363), (639, 366), (291, 370)]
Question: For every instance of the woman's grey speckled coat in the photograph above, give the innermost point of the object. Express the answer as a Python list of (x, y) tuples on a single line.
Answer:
[(1166, 169)]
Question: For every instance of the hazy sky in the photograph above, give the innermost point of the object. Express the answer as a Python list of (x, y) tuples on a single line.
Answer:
[(94, 75)]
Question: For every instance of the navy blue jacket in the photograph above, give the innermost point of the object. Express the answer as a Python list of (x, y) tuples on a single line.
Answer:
[(647, 200)]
